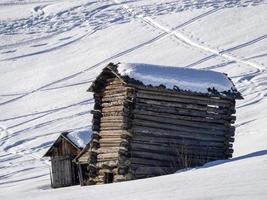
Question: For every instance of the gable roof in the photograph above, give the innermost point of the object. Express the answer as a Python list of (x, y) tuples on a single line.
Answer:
[(78, 139), (178, 79)]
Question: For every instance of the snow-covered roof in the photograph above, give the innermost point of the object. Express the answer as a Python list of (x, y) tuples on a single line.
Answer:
[(179, 79), (80, 138)]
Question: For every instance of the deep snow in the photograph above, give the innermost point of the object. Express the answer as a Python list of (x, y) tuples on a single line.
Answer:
[(51, 50)]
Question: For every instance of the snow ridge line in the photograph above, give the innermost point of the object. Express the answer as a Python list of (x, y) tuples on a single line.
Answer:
[(186, 40), (4, 133)]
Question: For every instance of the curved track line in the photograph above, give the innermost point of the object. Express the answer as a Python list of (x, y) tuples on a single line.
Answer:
[(188, 41), (131, 49)]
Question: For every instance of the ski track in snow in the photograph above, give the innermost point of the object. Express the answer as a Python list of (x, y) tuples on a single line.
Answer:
[(188, 41), (250, 84)]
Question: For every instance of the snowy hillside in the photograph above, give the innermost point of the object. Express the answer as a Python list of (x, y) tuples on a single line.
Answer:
[(51, 50)]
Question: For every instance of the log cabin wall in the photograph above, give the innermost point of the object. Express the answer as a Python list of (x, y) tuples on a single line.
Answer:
[(173, 131), (144, 131), (111, 120)]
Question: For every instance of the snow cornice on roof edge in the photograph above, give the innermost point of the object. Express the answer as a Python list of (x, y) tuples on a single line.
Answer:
[(173, 79)]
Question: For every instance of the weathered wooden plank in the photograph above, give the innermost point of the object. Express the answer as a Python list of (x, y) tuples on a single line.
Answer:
[(120, 117), (114, 86), (153, 170), (96, 113), (116, 134), (104, 170), (146, 123), (178, 149), (95, 136), (135, 161), (162, 119), (111, 85), (104, 161), (113, 90), (179, 136), (146, 162), (152, 139), (185, 139), (188, 154), (115, 103), (184, 105), (113, 108), (114, 124), (111, 136), (113, 127), (120, 178), (181, 117), (211, 100), (173, 160), (180, 111), (106, 140), (111, 99), (113, 80), (95, 127), (125, 120), (109, 144), (111, 163), (176, 99), (115, 95), (183, 151), (113, 132), (114, 113), (230, 139), (83, 160), (168, 158), (108, 150), (107, 156), (142, 162)]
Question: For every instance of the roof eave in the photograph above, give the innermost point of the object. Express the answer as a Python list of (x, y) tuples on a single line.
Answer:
[(135, 83), (113, 69), (62, 135), (81, 153)]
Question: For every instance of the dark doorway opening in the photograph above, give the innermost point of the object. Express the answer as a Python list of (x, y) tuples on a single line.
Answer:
[(108, 177)]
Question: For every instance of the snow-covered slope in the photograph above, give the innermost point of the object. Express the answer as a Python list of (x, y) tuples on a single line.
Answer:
[(51, 50)]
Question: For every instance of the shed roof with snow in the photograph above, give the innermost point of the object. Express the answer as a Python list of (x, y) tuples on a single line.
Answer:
[(78, 139)]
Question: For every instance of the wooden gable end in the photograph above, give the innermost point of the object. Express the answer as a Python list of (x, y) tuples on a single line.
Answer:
[(64, 148), (61, 147)]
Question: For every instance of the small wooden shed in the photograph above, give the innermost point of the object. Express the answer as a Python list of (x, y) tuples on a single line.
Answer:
[(67, 146), (151, 120)]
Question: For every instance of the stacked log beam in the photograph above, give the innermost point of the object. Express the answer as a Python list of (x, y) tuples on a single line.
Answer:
[(111, 126), (173, 131), (143, 132)]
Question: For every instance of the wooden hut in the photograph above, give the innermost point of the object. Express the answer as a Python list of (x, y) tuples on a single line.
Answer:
[(152, 120), (67, 146)]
